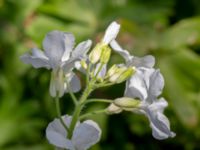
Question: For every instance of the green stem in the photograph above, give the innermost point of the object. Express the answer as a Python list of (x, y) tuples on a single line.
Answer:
[(98, 100), (78, 109), (93, 113), (75, 101), (88, 74), (100, 85), (59, 114)]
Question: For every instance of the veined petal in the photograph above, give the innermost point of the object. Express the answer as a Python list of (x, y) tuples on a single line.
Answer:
[(111, 32), (56, 134), (81, 49), (58, 140), (158, 121), (86, 134), (74, 82), (38, 53), (146, 61), (37, 59), (69, 45), (136, 87), (161, 129), (156, 83), (124, 53), (69, 65), (57, 43)]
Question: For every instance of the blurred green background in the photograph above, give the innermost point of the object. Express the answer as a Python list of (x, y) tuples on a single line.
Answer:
[(169, 30)]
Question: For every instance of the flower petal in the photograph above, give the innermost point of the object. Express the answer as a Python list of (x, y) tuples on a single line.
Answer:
[(56, 134), (81, 49), (37, 59), (158, 121), (156, 83), (124, 53), (57, 43), (69, 65), (70, 41), (111, 32), (136, 87), (146, 61), (86, 134), (74, 82)]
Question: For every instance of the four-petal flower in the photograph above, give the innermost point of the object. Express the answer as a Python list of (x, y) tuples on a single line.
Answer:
[(147, 85), (60, 56)]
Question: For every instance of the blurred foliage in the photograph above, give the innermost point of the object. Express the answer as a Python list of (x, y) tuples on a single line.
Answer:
[(169, 30)]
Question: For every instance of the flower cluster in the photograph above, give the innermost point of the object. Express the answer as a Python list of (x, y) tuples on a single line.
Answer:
[(144, 85)]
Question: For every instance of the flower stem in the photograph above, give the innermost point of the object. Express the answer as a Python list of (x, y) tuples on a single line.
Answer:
[(59, 114), (78, 109), (100, 85), (88, 74), (98, 100), (92, 113)]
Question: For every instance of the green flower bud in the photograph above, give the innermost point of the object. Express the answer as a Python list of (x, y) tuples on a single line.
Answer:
[(116, 75), (112, 70), (95, 54), (125, 75), (105, 54), (113, 109), (126, 103)]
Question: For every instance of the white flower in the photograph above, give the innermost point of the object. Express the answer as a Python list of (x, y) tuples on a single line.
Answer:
[(60, 56), (84, 136), (147, 85)]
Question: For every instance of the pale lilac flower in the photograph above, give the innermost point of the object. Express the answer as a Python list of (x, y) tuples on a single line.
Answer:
[(147, 85), (84, 135), (59, 55)]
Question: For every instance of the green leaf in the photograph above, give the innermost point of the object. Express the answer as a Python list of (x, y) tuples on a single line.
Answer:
[(185, 32)]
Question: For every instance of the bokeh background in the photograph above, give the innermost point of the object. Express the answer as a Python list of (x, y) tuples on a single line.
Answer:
[(169, 30)]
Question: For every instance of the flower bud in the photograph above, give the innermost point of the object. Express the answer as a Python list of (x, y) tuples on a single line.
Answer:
[(113, 109), (117, 73), (125, 75), (112, 70), (105, 54), (126, 102), (95, 54)]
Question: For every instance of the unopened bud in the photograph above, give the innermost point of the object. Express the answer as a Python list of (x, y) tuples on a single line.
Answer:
[(112, 70), (114, 77), (99, 79), (113, 109), (83, 64), (105, 54), (125, 75), (126, 102), (95, 54)]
